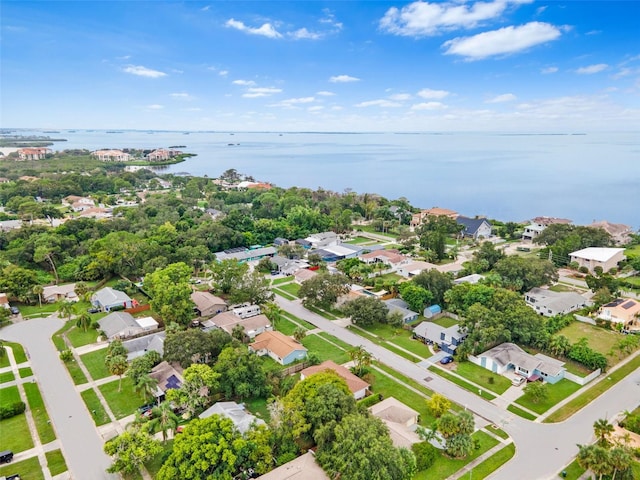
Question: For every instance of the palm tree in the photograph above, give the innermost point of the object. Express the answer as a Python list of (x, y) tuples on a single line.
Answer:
[(620, 459), (84, 321), (594, 458), (559, 345), (361, 358), (299, 333), (603, 430), (273, 312), (146, 385), (37, 290), (163, 420), (118, 366), (66, 309)]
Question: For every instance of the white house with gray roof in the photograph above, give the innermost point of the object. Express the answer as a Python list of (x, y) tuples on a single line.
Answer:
[(447, 339), (234, 412), (137, 347), (108, 298), (242, 254), (550, 303), (399, 305), (119, 325), (508, 357)]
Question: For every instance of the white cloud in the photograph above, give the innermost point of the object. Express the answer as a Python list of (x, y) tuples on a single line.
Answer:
[(400, 97), (155, 106), (181, 96), (505, 97), (315, 108), (591, 69), (325, 93), (193, 109), (343, 79), (266, 30), (432, 94), (205, 9), (304, 34), (291, 102), (548, 70), (426, 19), (336, 108), (379, 103), (244, 83), (428, 106), (330, 18), (256, 92), (502, 41), (141, 71), (223, 73)]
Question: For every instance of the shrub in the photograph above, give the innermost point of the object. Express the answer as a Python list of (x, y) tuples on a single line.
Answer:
[(370, 400), (583, 269), (66, 355), (425, 454), (8, 411)]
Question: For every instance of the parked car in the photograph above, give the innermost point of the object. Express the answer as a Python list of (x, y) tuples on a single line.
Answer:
[(517, 380), (14, 310), (447, 359), (14, 476), (93, 310), (6, 456)]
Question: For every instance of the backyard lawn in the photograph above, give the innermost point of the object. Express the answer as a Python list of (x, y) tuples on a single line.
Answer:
[(324, 349), (123, 402), (29, 469), (445, 322), (39, 412), (599, 339), (258, 406), (557, 392), (95, 407), (486, 378), (94, 361)]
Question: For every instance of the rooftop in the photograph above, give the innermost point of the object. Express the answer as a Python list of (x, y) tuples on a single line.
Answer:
[(598, 254)]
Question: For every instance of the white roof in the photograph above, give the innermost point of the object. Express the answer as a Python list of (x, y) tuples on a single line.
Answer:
[(146, 322), (599, 254), (339, 250)]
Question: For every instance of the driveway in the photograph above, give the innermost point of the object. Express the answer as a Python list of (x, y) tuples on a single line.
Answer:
[(81, 444), (542, 450)]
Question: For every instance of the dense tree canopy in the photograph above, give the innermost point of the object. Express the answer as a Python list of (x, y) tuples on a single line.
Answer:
[(170, 292), (323, 290), (366, 310)]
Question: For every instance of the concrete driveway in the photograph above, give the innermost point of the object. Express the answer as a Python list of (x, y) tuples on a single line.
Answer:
[(81, 444)]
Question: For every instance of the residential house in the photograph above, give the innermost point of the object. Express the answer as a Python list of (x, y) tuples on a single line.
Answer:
[(4, 301), (620, 233), (303, 467), (447, 338), (621, 310), (6, 225), (412, 269), (97, 212), (508, 357), (282, 349), (400, 419), (107, 298), (137, 347), (532, 231), (473, 278), (357, 386), (119, 325), (323, 239), (279, 241), (111, 155), (242, 254), (34, 153), (303, 275), (162, 183), (168, 375), (235, 412), (162, 154), (399, 305), (333, 253), (28, 178), (419, 218), (227, 321), (475, 228), (78, 204), (391, 258), (288, 266), (549, 303), (592, 257), (303, 243), (208, 305), (58, 293), (546, 221)]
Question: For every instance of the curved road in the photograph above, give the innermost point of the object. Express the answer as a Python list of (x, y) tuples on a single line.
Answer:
[(81, 444), (542, 450)]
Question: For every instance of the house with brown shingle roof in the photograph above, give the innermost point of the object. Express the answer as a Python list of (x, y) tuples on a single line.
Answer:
[(227, 321), (401, 420), (207, 304), (356, 385), (282, 349), (620, 233)]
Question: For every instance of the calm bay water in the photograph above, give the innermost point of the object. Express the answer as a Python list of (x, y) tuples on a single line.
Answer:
[(506, 176)]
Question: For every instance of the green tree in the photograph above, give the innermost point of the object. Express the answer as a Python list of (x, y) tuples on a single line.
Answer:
[(594, 458), (227, 273), (559, 345), (603, 431), (538, 391), (438, 405), (323, 290), (200, 381), (163, 420), (273, 312), (524, 273), (37, 290), (299, 333), (436, 282), (146, 385), (241, 374), (118, 366), (138, 368), (195, 346), (83, 321), (456, 429), (66, 309), (361, 358), (130, 450), (171, 293), (416, 296), (366, 310), (620, 459), (252, 288)]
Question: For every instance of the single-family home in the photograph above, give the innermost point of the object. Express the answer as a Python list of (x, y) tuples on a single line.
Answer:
[(278, 346), (399, 305), (288, 266), (111, 155), (447, 338), (620, 233), (621, 310), (303, 275), (107, 298), (412, 269), (532, 231), (475, 228), (333, 253), (303, 243), (59, 293), (227, 321), (549, 303), (97, 212), (508, 357), (168, 375), (419, 218), (162, 183), (592, 257), (207, 304), (303, 467), (400, 419), (4, 301), (323, 239), (472, 278), (119, 325), (242, 254), (78, 204), (137, 347), (160, 154), (392, 258), (34, 153), (235, 412), (357, 386)]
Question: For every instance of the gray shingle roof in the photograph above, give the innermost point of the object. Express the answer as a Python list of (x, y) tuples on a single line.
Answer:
[(110, 296), (115, 322)]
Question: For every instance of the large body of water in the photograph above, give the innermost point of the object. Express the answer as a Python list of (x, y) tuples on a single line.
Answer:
[(583, 177)]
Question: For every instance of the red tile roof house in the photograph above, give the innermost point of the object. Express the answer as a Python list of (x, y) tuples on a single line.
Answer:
[(282, 349), (33, 153), (162, 154), (391, 257), (356, 385)]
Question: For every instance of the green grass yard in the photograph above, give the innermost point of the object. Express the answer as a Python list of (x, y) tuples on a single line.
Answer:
[(95, 407), (462, 383), (361, 241), (123, 402), (55, 462), (557, 392), (155, 463), (324, 349), (280, 281), (483, 377), (573, 471), (335, 340), (494, 462), (6, 377), (29, 469), (9, 395), (25, 372), (4, 361), (445, 322), (76, 373), (284, 294), (290, 288), (18, 352), (599, 339), (79, 337), (15, 434), (286, 326), (521, 413), (94, 361), (258, 406), (39, 412), (299, 321)]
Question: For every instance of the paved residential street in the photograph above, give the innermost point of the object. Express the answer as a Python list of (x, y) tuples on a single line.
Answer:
[(81, 444), (542, 450)]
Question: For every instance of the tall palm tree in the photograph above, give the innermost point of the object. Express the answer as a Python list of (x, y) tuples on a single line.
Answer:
[(163, 420), (361, 357), (299, 333), (620, 459), (118, 366), (603, 430), (66, 309), (273, 312), (146, 385), (37, 290), (84, 321)]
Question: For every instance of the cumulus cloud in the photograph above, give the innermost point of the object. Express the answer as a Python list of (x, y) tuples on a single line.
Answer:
[(325, 93), (141, 71), (181, 96), (223, 73), (330, 19), (502, 41), (244, 83), (428, 106), (266, 30), (505, 97), (291, 102), (400, 97), (343, 79), (419, 19), (432, 94), (548, 70), (304, 34), (315, 108), (379, 103), (591, 69), (256, 92)]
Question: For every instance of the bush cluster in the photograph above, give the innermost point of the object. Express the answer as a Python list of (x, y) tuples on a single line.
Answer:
[(8, 411)]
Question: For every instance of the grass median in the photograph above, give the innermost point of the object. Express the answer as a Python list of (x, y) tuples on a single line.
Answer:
[(56, 462), (494, 462), (39, 412), (462, 383), (95, 407), (521, 413)]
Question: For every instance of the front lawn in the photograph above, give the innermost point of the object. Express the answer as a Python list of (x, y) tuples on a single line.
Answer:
[(28, 311), (280, 281), (400, 337), (94, 361), (299, 321), (7, 377), (486, 378), (28, 469), (494, 462), (123, 402), (95, 407), (599, 339), (55, 462), (15, 434), (286, 326), (79, 337), (9, 395), (324, 349), (76, 373), (557, 392), (572, 472), (290, 288), (18, 351), (461, 383), (39, 412)]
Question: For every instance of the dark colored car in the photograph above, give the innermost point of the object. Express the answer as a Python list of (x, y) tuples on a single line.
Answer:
[(14, 310), (6, 456), (93, 310), (447, 359)]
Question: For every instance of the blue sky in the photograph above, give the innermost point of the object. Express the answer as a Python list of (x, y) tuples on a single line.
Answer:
[(498, 65)]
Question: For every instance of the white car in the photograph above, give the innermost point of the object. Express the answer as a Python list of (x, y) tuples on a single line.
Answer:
[(517, 380)]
